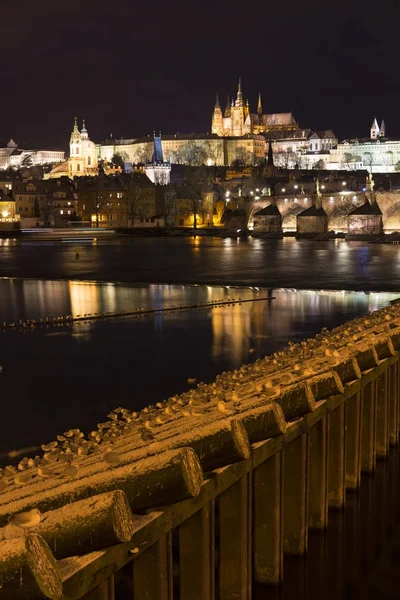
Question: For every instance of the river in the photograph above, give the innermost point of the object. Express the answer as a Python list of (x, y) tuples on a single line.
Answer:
[(337, 265)]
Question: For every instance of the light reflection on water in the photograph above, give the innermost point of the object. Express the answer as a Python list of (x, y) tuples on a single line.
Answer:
[(63, 377)]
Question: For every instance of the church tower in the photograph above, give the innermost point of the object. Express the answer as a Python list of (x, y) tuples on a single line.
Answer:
[(82, 153), (75, 151), (259, 109), (238, 112), (382, 131), (374, 130), (217, 125)]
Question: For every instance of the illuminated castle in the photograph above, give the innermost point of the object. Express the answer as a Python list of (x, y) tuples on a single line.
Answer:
[(237, 120)]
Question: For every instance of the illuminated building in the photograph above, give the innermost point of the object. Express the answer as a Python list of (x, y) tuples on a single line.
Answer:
[(237, 120), (82, 156), (15, 157), (158, 171)]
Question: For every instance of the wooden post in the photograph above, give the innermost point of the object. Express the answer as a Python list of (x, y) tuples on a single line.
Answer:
[(318, 475), (152, 572), (353, 442), (382, 420), (196, 555), (337, 457), (104, 591), (368, 435), (268, 521), (295, 516), (233, 541), (393, 404)]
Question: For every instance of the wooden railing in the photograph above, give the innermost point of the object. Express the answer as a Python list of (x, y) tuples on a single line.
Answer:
[(315, 417)]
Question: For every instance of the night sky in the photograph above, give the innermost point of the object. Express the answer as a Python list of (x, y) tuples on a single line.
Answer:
[(129, 68)]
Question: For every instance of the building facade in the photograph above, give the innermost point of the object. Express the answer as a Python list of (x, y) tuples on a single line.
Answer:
[(238, 120), (15, 157)]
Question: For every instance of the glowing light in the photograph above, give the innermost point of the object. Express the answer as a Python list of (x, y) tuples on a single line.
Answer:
[(5, 213), (354, 197), (322, 187), (331, 198), (343, 183), (305, 199), (295, 187), (283, 189), (286, 200)]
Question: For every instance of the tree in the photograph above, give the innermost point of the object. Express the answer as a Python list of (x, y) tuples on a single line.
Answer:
[(27, 161), (118, 161), (190, 153), (133, 197), (143, 154), (319, 165), (243, 158), (168, 193), (46, 208), (196, 183), (36, 209), (397, 167)]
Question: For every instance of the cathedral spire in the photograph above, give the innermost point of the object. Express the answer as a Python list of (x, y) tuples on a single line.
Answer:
[(270, 159), (382, 131), (259, 105), (75, 123), (227, 112), (239, 97), (217, 104)]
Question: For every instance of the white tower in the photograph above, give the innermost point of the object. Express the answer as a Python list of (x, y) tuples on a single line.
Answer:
[(382, 132), (374, 130), (158, 171)]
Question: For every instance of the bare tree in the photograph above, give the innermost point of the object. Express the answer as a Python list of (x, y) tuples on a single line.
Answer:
[(243, 158), (168, 201), (133, 198), (191, 153), (196, 183)]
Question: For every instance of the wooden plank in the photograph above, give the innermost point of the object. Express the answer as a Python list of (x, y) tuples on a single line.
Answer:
[(353, 442), (368, 430), (337, 457), (295, 519), (104, 591), (318, 476), (382, 416), (268, 521), (152, 572), (233, 542), (196, 541)]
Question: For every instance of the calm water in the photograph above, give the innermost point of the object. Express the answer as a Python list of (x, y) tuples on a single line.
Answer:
[(273, 263), (57, 378)]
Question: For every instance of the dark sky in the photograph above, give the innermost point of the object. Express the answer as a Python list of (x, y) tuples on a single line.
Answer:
[(130, 67)]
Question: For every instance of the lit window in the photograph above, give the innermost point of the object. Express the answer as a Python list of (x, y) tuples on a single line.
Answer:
[(69, 212), (61, 212), (69, 203)]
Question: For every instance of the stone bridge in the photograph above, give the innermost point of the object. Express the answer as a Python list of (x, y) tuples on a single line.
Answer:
[(336, 205)]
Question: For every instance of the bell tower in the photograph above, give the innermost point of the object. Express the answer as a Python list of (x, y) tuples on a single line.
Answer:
[(217, 125)]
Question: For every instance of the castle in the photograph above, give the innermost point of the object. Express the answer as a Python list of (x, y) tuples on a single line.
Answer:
[(237, 120)]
